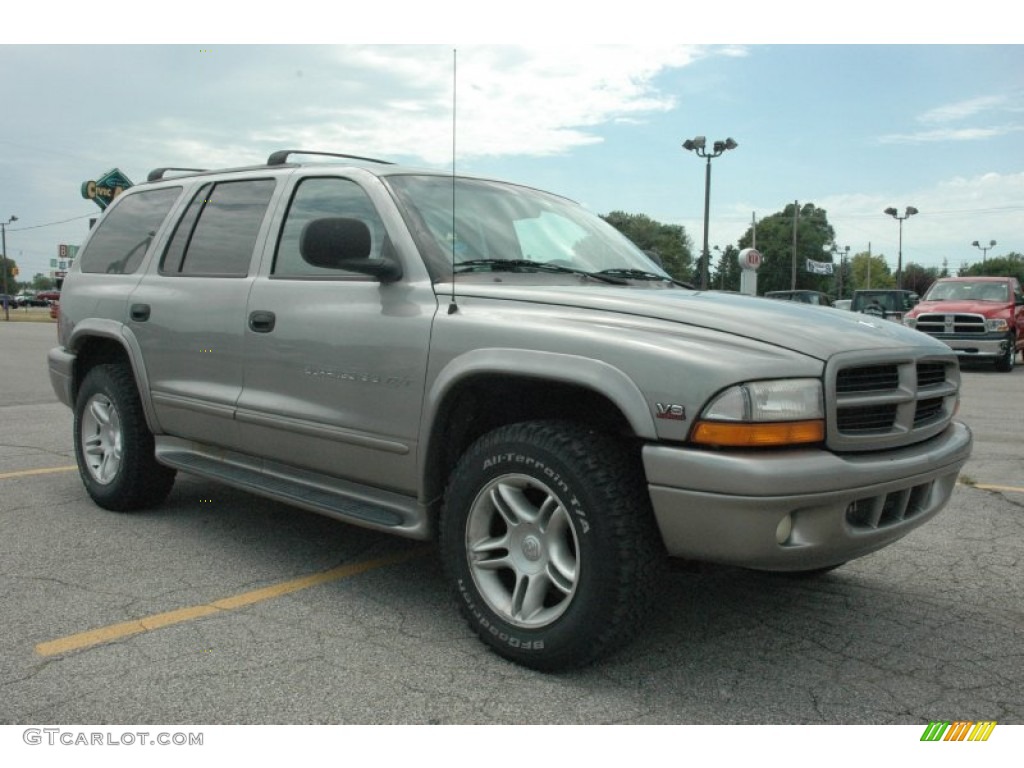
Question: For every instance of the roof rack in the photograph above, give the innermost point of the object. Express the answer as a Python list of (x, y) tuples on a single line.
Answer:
[(158, 173), (281, 156)]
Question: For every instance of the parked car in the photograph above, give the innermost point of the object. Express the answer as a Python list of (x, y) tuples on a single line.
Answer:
[(498, 370), (816, 298), (49, 296), (29, 300), (889, 304), (980, 318)]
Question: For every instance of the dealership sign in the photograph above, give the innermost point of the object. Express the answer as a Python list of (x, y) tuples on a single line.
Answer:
[(106, 187)]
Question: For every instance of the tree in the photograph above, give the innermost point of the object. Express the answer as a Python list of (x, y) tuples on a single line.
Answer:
[(1010, 265), (669, 242), (12, 276), (919, 279), (775, 242), (41, 282), (726, 276), (870, 271)]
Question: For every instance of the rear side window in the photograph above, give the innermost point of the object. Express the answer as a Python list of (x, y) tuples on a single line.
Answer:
[(218, 232), (122, 238)]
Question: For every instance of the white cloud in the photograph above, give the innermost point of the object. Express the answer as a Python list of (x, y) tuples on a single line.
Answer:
[(510, 101), (950, 134), (963, 109)]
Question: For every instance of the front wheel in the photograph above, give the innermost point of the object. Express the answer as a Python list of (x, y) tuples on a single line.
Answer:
[(1005, 363), (549, 542), (113, 444)]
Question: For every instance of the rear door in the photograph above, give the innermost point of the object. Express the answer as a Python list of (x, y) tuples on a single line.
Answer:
[(188, 312)]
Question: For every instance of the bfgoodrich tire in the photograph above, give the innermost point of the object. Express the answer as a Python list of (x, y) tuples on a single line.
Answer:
[(113, 444), (549, 543)]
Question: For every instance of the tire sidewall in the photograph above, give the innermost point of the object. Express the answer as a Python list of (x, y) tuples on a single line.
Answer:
[(565, 638), (140, 482), (1009, 359), (99, 382)]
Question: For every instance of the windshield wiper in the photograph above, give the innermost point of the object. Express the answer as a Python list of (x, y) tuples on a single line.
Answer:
[(639, 274), (514, 265)]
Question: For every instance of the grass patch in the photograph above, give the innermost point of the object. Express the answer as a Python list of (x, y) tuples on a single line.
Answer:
[(34, 315)]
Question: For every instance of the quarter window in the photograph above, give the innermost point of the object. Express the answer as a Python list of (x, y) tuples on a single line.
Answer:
[(122, 237)]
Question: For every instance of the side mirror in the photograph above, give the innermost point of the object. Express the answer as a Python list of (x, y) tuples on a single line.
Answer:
[(340, 243)]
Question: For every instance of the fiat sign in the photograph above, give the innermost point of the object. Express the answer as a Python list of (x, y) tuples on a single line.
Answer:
[(749, 258)]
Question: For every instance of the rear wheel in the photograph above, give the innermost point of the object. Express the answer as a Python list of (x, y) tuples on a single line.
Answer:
[(549, 542), (113, 444)]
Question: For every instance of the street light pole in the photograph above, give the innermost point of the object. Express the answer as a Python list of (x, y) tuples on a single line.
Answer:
[(911, 210), (3, 265), (697, 146), (984, 251)]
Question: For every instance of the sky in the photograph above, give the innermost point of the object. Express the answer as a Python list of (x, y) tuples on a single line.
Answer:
[(854, 125)]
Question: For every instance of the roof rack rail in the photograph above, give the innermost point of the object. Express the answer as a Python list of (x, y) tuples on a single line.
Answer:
[(281, 156), (158, 173)]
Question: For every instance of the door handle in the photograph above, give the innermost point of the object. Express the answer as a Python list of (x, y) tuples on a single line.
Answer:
[(261, 321), (139, 312)]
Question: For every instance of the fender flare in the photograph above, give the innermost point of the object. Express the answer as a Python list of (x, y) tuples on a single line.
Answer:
[(123, 336)]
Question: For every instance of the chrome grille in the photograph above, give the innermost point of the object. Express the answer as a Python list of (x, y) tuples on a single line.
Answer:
[(891, 401), (936, 323)]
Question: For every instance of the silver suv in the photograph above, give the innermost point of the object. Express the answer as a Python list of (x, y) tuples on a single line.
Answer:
[(494, 368)]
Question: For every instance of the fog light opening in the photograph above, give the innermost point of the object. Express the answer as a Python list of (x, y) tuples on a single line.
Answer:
[(784, 529)]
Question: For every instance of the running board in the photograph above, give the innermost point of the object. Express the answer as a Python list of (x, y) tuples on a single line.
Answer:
[(331, 496)]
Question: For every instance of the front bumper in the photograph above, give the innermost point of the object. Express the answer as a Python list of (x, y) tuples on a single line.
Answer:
[(991, 346), (798, 510)]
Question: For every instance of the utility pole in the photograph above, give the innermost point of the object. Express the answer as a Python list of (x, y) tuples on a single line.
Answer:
[(796, 220), (3, 265)]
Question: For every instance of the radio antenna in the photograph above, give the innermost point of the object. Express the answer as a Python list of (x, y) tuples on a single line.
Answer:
[(453, 307)]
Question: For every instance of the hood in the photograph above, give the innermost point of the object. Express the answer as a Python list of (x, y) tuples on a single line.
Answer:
[(974, 306), (816, 331)]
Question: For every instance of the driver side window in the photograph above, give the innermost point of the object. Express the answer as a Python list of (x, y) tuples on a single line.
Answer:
[(316, 198)]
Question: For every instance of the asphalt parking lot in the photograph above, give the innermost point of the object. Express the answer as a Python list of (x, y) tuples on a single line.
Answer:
[(220, 607)]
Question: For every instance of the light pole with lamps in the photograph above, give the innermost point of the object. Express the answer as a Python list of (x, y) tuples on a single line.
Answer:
[(911, 210), (3, 265), (697, 146), (984, 251)]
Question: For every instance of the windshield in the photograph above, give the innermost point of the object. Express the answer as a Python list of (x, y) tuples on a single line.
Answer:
[(503, 227), (965, 290)]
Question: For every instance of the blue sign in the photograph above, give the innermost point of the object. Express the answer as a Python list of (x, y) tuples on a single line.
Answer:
[(106, 188)]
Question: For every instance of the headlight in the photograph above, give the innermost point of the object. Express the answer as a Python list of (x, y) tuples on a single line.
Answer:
[(910, 322), (999, 325), (764, 413)]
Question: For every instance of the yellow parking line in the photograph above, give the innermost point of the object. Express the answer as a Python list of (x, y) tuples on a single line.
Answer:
[(113, 632), (30, 472), (1006, 488)]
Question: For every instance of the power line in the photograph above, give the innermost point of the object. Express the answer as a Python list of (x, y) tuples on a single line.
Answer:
[(53, 223)]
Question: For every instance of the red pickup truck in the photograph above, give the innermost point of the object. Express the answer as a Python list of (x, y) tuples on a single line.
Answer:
[(978, 317)]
